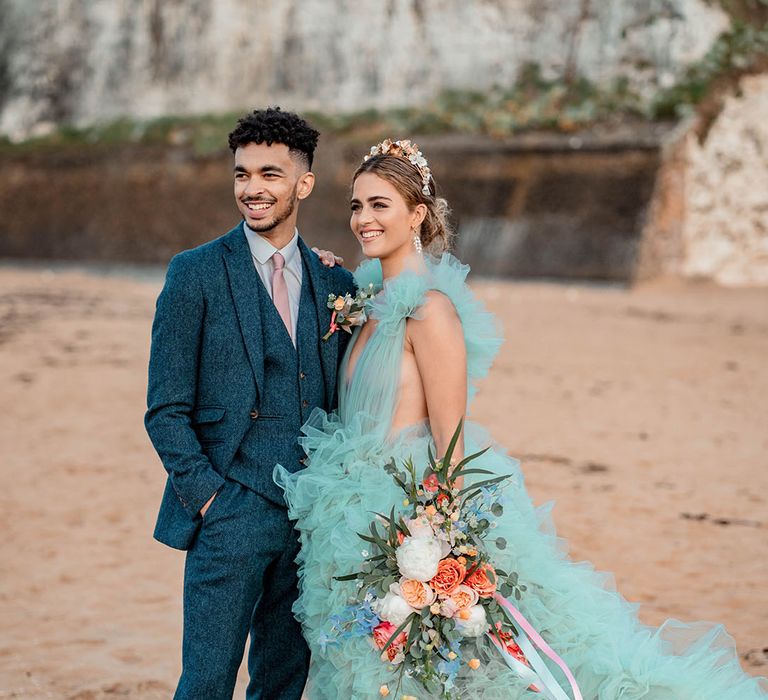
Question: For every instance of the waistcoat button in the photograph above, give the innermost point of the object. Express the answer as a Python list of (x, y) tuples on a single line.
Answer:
[(302, 375), (254, 414), (305, 403)]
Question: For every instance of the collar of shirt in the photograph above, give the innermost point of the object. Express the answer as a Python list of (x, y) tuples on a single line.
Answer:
[(262, 250)]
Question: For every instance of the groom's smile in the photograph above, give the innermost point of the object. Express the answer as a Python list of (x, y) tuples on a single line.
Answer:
[(259, 209)]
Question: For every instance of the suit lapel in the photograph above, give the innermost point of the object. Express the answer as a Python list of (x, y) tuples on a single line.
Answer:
[(243, 281), (321, 288)]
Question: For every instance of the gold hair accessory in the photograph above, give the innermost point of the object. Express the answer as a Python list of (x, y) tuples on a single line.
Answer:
[(407, 151)]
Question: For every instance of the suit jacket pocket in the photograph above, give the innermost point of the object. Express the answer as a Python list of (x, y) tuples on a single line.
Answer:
[(208, 414), (208, 423)]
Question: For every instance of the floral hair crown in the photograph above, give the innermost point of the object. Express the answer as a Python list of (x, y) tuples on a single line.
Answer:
[(407, 151)]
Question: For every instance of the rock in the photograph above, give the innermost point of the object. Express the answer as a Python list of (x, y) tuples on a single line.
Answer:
[(83, 62), (719, 189)]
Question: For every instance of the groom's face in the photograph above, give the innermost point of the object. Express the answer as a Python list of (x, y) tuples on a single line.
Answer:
[(269, 182)]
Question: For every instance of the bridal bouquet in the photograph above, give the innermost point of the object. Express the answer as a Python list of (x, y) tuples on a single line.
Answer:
[(428, 587)]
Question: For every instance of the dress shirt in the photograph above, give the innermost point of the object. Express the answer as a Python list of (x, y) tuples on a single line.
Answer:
[(262, 251)]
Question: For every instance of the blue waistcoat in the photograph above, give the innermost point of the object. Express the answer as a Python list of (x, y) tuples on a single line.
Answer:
[(293, 387)]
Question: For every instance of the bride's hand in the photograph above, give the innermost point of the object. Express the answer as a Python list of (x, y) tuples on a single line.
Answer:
[(328, 257)]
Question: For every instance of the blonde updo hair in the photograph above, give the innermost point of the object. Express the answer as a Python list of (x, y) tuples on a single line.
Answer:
[(435, 231)]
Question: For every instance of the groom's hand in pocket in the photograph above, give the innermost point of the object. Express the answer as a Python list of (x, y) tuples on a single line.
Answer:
[(207, 505)]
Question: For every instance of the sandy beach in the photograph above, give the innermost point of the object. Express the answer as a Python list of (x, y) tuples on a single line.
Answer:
[(643, 414)]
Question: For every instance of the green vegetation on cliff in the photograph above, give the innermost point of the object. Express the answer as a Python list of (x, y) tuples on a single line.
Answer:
[(534, 102)]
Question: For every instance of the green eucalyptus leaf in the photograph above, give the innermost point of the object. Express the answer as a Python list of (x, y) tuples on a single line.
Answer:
[(468, 459), (409, 619), (452, 444), (347, 577)]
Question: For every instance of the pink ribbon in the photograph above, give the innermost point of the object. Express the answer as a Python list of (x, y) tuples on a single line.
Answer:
[(537, 639), (334, 327)]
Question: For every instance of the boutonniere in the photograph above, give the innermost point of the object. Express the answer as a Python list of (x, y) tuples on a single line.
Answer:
[(348, 310)]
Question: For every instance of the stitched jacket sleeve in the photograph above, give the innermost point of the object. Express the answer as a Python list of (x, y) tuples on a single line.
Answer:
[(173, 371)]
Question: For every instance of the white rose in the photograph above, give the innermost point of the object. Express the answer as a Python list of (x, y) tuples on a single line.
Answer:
[(419, 527), (445, 545), (393, 607), (476, 625), (418, 557), (448, 607)]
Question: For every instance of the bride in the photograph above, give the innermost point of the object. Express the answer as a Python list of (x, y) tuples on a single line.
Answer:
[(405, 383)]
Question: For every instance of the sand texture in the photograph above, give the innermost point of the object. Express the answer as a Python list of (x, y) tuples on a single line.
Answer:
[(643, 414)]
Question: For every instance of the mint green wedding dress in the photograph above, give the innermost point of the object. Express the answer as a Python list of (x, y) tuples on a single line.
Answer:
[(590, 625)]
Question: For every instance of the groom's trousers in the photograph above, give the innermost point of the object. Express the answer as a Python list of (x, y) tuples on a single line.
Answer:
[(240, 578)]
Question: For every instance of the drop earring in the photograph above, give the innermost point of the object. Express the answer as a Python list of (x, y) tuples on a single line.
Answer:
[(417, 242)]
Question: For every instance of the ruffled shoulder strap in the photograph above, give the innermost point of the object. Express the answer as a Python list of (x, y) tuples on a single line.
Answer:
[(368, 272), (404, 296)]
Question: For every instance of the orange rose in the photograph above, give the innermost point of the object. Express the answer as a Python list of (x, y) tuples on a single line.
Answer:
[(450, 574), (416, 593), (480, 581)]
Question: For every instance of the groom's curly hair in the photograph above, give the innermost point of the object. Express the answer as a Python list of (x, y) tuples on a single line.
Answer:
[(272, 125)]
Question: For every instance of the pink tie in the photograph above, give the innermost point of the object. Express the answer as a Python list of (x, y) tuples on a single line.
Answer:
[(280, 292)]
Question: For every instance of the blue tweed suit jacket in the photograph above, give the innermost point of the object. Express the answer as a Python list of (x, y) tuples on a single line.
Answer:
[(206, 370)]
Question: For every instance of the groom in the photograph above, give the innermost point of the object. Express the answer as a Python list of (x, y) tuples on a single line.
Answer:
[(237, 366)]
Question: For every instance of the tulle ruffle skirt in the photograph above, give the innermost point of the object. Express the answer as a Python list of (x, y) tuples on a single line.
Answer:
[(575, 608)]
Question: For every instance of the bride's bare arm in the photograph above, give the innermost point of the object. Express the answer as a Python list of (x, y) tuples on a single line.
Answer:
[(437, 339)]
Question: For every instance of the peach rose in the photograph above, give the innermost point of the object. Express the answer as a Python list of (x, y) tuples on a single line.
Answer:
[(464, 597), (450, 574), (416, 593), (480, 581), (459, 602)]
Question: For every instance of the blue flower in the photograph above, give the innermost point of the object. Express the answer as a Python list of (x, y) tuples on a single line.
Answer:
[(448, 668)]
